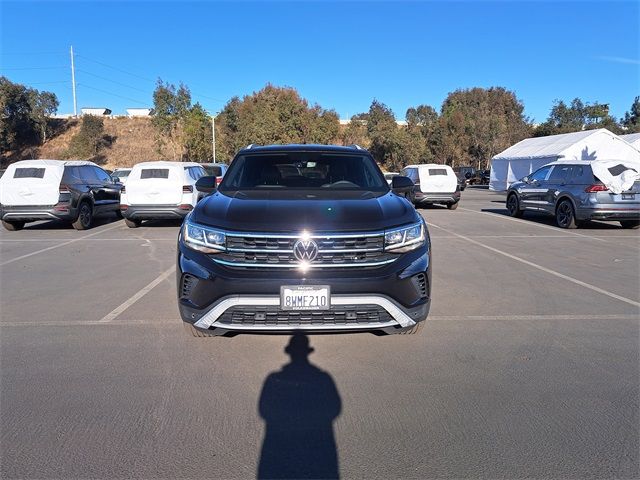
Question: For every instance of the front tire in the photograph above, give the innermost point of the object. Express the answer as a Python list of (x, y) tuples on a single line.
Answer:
[(513, 205), (631, 224), (193, 331), (452, 206), (132, 223), (413, 330), (13, 226), (85, 217), (566, 215)]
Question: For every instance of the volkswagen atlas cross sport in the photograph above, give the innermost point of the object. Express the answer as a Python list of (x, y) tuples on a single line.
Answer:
[(304, 237)]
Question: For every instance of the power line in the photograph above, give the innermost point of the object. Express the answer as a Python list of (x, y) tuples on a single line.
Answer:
[(198, 94), (112, 81), (50, 83), (22, 54), (31, 68), (115, 68), (114, 94)]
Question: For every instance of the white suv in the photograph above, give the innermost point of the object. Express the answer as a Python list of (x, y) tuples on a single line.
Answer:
[(160, 190), (434, 183)]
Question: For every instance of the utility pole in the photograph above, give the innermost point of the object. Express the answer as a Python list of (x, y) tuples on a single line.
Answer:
[(73, 85), (213, 137)]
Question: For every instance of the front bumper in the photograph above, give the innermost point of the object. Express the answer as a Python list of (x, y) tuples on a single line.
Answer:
[(433, 197), (32, 213), (272, 319), (154, 212), (384, 299)]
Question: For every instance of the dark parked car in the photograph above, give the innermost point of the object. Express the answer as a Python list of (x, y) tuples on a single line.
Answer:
[(330, 248), (217, 170), (76, 191), (482, 177), (464, 174), (571, 192)]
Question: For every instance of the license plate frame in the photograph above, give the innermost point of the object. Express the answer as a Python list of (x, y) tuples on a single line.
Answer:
[(305, 297), (628, 196)]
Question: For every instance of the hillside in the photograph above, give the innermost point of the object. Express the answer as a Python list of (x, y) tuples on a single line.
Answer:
[(131, 140)]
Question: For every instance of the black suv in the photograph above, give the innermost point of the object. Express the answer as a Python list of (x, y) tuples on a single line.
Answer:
[(75, 191), (304, 237)]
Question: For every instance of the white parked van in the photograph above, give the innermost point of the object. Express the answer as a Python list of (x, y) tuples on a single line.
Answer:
[(434, 183), (160, 190), (75, 191)]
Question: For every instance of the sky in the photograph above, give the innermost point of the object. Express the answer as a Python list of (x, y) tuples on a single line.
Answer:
[(341, 55)]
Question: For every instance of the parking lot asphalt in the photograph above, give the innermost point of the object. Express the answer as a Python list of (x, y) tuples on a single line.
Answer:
[(528, 365)]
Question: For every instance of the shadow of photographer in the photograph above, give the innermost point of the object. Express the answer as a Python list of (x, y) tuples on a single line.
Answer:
[(299, 404)]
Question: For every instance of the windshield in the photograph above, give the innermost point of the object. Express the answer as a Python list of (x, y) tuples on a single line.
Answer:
[(121, 173), (304, 170), (213, 170)]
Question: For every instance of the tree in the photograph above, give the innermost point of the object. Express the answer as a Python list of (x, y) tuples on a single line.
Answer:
[(24, 114), (476, 124), (43, 106), (631, 120), (576, 117), (423, 134), (355, 132), (170, 107), (197, 134), (385, 139), (89, 140), (273, 115)]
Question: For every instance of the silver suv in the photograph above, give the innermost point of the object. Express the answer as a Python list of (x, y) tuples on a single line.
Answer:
[(571, 192)]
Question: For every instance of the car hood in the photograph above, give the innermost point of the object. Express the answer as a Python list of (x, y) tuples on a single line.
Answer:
[(295, 211)]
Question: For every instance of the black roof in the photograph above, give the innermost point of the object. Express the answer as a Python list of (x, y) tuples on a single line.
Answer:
[(301, 148)]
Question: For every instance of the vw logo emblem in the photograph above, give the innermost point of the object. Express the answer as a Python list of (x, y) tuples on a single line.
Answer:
[(305, 250)]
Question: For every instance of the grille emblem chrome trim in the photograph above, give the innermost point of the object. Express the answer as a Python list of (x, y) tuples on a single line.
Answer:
[(305, 250)]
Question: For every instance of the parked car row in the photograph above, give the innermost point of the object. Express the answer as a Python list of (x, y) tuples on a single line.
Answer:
[(79, 191)]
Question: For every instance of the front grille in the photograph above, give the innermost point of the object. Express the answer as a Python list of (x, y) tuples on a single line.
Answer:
[(334, 250), (339, 316)]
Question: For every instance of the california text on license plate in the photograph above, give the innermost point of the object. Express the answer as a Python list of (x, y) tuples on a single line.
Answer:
[(305, 297)]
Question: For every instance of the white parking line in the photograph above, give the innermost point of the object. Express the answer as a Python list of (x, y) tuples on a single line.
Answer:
[(534, 224), (137, 296), (21, 257), (506, 236), (432, 318), (540, 267), (45, 240)]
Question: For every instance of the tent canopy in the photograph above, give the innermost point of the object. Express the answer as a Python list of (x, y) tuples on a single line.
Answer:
[(632, 138), (530, 154)]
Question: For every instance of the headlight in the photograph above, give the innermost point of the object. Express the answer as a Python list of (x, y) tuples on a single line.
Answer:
[(404, 239), (204, 239)]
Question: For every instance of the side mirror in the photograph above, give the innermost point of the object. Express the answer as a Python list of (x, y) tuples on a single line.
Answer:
[(115, 179), (401, 184), (525, 179), (206, 184)]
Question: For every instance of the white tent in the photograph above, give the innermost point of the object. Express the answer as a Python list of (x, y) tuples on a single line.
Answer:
[(632, 138), (530, 154)]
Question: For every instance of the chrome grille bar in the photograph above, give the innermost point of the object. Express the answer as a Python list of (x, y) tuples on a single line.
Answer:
[(334, 250)]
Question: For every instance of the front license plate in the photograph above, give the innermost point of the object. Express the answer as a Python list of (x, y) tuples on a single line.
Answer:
[(628, 196), (305, 297)]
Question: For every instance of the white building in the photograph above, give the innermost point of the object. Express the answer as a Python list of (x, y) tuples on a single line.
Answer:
[(530, 154), (138, 112), (95, 111)]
